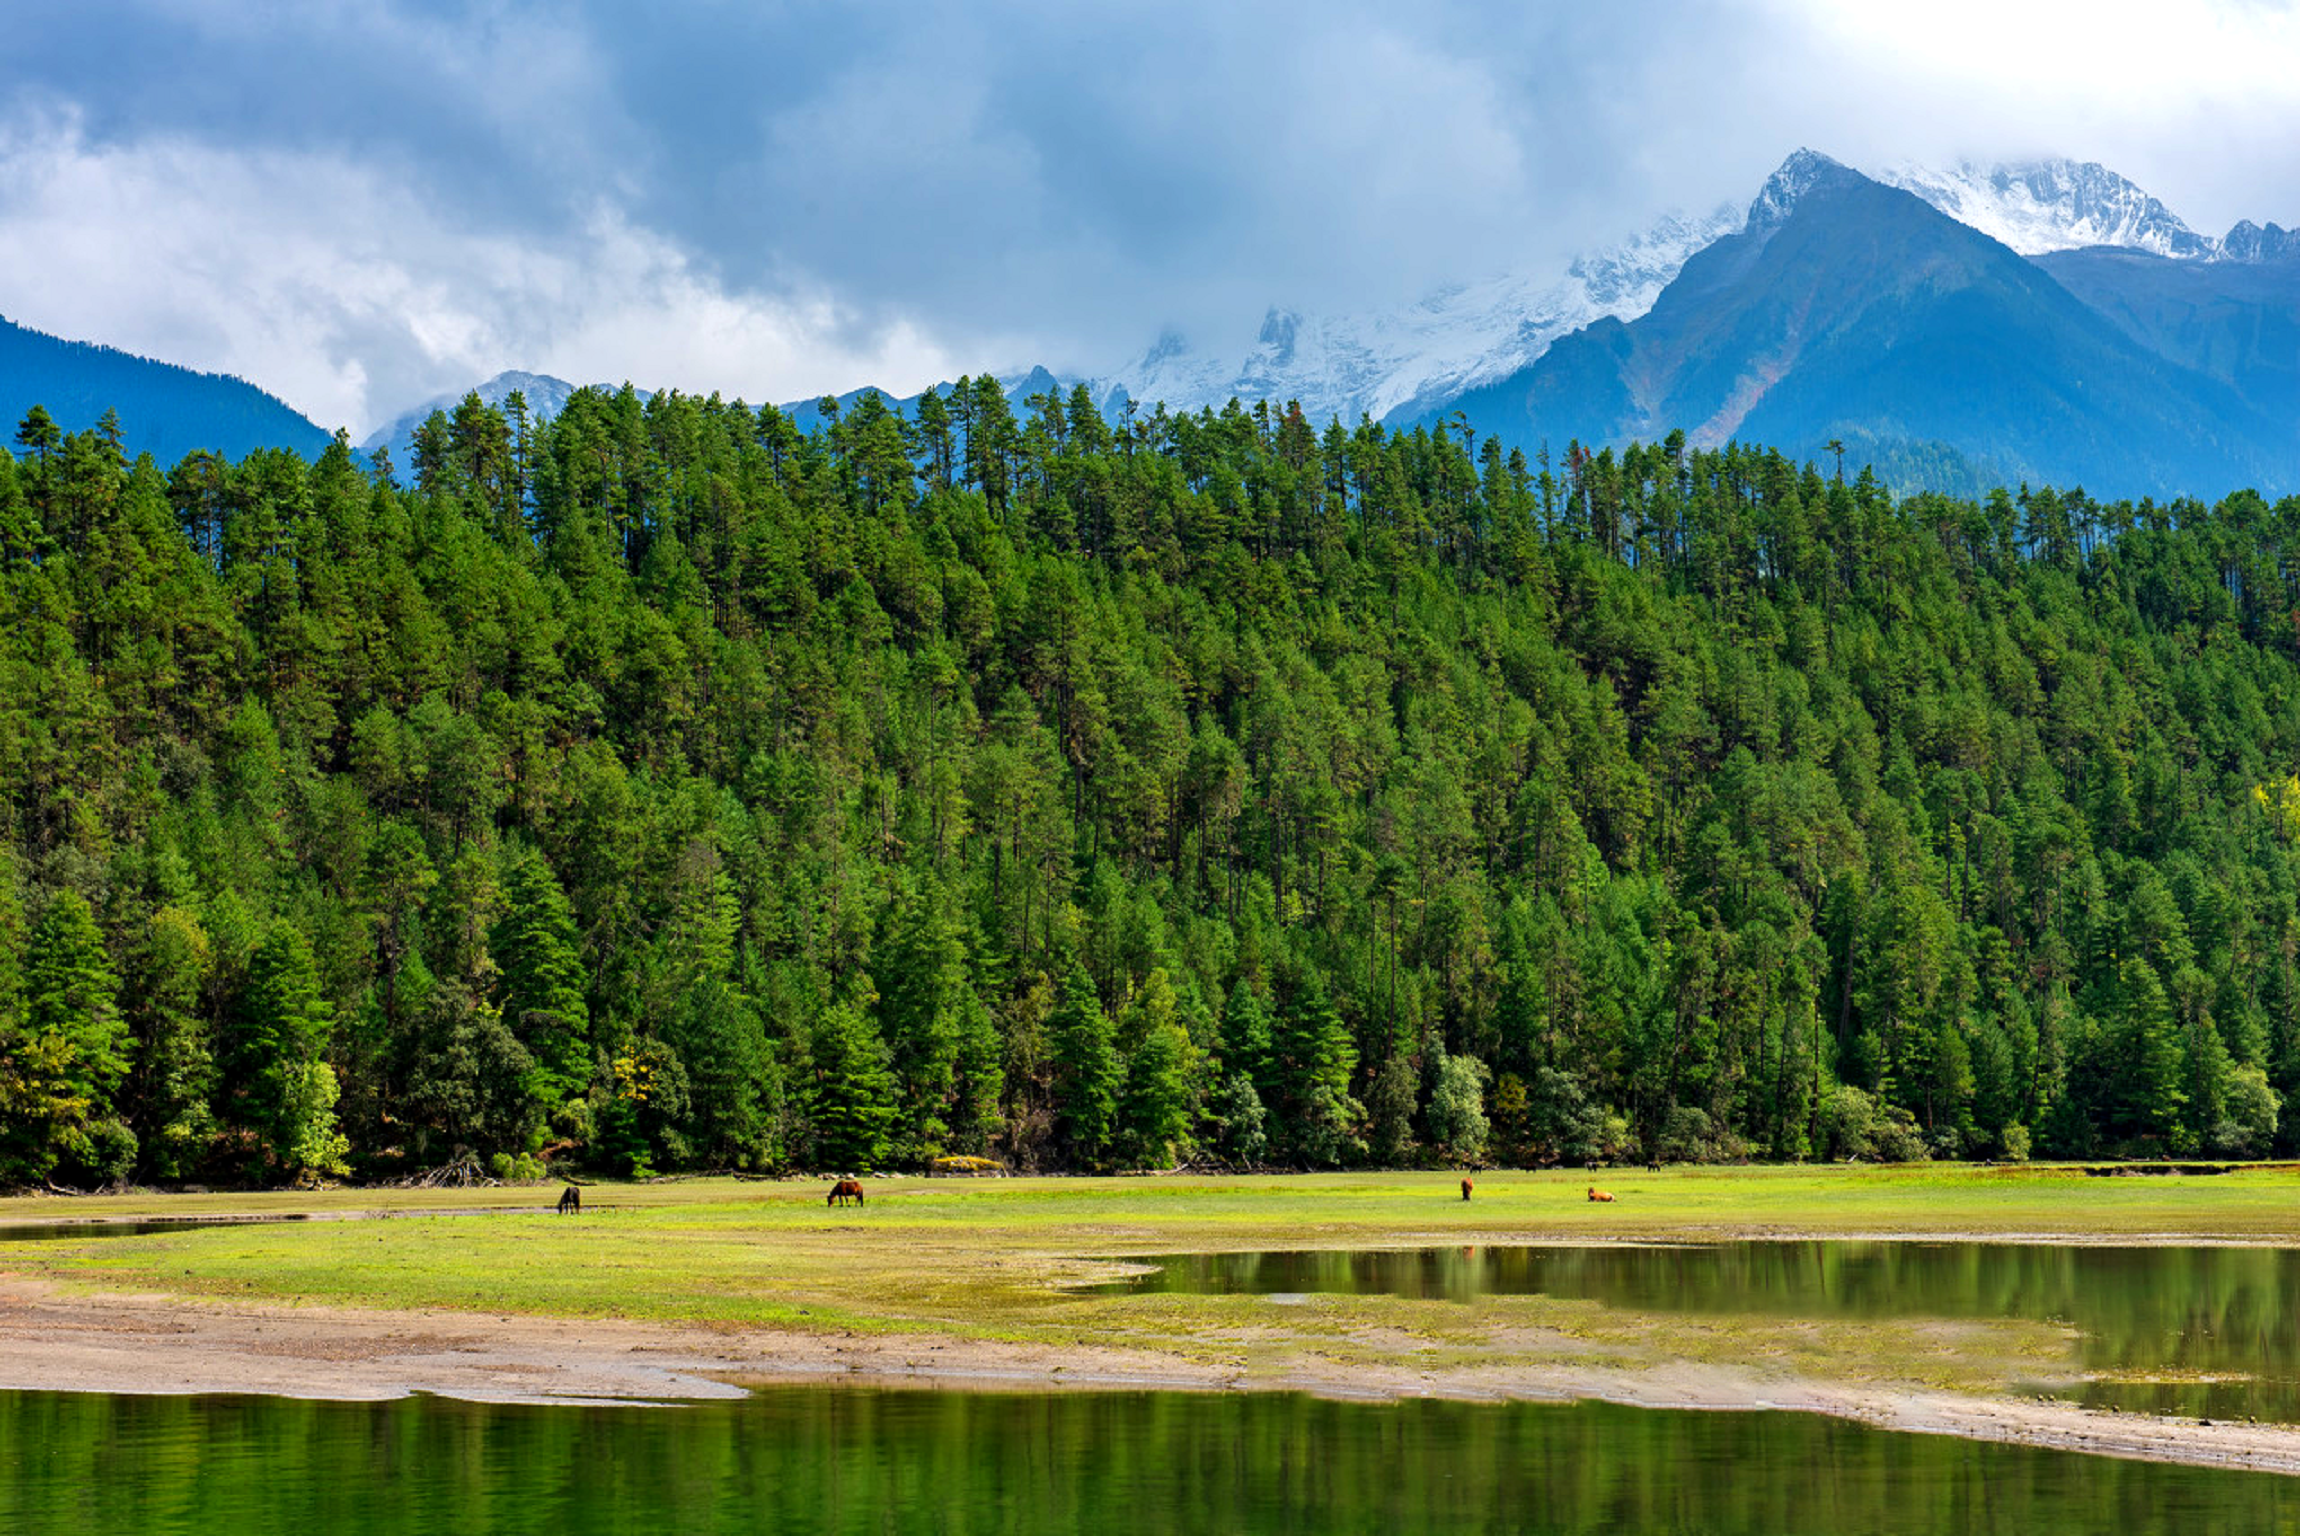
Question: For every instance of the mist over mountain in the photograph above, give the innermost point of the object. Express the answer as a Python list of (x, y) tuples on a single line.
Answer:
[(164, 410), (2129, 350), (1950, 367), (1395, 362), (2052, 205)]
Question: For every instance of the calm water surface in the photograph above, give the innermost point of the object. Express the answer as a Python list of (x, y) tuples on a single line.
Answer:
[(2223, 1324), (852, 1460), (71, 1231)]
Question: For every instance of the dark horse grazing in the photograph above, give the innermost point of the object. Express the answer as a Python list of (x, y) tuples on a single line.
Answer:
[(845, 1190), (571, 1203), (1465, 1189)]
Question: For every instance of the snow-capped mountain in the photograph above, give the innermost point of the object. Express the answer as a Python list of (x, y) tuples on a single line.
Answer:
[(1849, 311), (2052, 205), (2041, 206), (2249, 242), (1414, 362), (1785, 188), (1396, 362), (1399, 364)]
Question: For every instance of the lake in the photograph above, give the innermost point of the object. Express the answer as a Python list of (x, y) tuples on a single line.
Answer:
[(2207, 1332), (832, 1459)]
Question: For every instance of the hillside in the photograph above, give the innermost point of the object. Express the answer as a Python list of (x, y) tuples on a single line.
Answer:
[(164, 410), (2235, 322), (690, 791)]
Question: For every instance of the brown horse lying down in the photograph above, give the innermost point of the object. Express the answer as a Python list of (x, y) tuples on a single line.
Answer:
[(843, 1191), (1465, 1188), (1599, 1194)]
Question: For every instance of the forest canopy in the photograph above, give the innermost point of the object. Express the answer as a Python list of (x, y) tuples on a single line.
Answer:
[(660, 787)]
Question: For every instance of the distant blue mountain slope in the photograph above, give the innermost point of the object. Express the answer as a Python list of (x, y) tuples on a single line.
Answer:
[(164, 410), (2234, 321)]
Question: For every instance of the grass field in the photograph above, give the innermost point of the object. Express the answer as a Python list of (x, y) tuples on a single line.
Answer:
[(1000, 1259)]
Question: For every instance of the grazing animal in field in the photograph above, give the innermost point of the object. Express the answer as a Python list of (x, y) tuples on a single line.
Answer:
[(1465, 1188), (571, 1203), (1599, 1194), (843, 1191)]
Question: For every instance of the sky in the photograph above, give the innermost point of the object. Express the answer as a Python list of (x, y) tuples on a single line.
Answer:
[(362, 204)]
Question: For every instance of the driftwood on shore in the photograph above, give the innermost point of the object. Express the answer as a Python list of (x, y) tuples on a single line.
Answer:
[(463, 1173)]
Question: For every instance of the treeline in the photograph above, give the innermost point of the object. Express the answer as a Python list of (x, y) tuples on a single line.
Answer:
[(662, 787)]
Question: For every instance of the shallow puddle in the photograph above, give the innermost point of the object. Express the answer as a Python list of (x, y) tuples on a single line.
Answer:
[(2207, 1332), (80, 1231)]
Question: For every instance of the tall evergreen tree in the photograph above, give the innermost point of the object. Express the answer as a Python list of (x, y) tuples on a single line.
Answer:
[(1088, 1071), (535, 944)]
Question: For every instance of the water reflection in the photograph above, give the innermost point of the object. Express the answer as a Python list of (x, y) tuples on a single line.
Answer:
[(846, 1460), (73, 1231), (2216, 1328)]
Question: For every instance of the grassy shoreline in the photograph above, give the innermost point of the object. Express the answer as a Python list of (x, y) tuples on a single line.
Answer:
[(1001, 1260)]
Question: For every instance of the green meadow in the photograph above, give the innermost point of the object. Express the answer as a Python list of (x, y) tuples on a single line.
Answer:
[(1014, 1260)]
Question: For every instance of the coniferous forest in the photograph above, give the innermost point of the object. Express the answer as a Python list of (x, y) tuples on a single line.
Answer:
[(662, 787)]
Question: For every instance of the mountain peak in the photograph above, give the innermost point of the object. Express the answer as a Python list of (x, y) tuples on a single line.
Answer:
[(2036, 206), (1786, 187), (1391, 362), (2249, 242)]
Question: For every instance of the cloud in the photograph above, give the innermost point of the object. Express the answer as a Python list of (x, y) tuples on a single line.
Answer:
[(359, 204), (350, 294), (2192, 99)]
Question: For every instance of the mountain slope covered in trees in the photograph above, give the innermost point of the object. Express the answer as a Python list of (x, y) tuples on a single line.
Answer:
[(665, 787), (161, 409)]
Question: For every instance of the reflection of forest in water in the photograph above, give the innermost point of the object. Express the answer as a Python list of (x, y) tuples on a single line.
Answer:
[(853, 1460), (2184, 1311)]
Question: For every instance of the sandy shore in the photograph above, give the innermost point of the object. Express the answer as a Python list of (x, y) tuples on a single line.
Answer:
[(57, 1340)]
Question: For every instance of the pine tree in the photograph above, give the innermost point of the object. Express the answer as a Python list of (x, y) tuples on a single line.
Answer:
[(277, 1084), (980, 1077), (71, 996), (851, 1102), (535, 943), (1247, 1036), (732, 1079), (1088, 1072), (1156, 1105), (920, 968), (1316, 1061), (2149, 1098), (174, 1078)]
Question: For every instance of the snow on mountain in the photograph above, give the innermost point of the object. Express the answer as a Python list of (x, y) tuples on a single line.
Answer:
[(1775, 200), (546, 396), (2249, 242), (1387, 362), (1398, 364), (2053, 205)]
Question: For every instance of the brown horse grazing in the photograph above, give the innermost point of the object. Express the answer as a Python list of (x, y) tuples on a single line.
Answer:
[(843, 1191), (1598, 1194), (1466, 1186), (571, 1203)]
